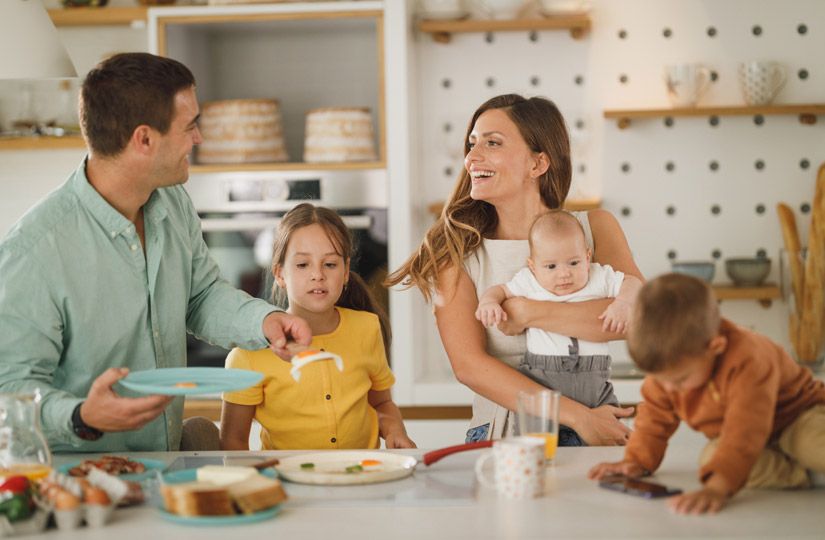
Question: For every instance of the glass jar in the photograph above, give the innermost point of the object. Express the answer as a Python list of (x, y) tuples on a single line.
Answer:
[(23, 448)]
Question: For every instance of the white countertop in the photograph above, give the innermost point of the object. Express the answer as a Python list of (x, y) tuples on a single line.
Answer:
[(444, 501)]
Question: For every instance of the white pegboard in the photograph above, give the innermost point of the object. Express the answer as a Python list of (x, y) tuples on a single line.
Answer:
[(664, 210)]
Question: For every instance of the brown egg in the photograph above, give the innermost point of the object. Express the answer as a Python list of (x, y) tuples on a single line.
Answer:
[(95, 495), (64, 500)]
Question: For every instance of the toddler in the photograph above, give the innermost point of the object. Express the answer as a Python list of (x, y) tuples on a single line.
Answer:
[(326, 409), (763, 413), (559, 270)]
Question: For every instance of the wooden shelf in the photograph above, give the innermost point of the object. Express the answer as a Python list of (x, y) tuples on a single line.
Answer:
[(764, 294), (41, 143), (578, 24), (573, 205), (293, 166), (100, 16), (807, 112)]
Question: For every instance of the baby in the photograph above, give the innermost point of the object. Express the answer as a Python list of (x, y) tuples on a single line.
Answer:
[(559, 270), (763, 413)]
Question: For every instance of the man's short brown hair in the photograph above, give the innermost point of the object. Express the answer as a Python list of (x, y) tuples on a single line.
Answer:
[(675, 316), (128, 90)]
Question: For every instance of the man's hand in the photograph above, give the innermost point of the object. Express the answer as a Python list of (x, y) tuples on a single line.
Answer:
[(616, 318), (706, 499), (104, 410), (625, 468), (280, 328), (490, 314), (601, 427)]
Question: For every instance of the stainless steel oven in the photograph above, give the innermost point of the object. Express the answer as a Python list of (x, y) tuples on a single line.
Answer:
[(240, 210)]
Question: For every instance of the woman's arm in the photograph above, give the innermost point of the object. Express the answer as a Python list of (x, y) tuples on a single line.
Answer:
[(465, 342), (236, 422), (580, 319), (390, 424)]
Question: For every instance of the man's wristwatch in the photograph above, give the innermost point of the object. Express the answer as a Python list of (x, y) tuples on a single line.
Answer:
[(81, 428)]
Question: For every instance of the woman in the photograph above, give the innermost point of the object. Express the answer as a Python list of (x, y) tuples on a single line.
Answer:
[(517, 166)]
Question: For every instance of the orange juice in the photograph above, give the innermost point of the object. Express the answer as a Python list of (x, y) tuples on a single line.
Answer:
[(33, 471), (551, 441)]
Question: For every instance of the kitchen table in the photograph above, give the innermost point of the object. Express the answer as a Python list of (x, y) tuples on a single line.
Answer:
[(445, 501)]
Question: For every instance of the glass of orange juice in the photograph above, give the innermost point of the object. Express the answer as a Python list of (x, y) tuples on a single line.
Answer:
[(538, 416)]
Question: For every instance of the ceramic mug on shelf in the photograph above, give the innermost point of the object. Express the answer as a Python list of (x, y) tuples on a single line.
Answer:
[(686, 83), (441, 9), (563, 7), (761, 80), (496, 9), (518, 468)]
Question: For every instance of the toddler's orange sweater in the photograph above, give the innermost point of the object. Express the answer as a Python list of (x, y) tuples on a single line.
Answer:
[(756, 391)]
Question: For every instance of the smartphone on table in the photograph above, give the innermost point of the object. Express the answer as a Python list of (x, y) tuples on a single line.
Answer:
[(640, 488)]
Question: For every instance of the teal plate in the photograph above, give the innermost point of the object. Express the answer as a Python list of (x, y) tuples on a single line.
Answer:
[(206, 380), (152, 467), (190, 475)]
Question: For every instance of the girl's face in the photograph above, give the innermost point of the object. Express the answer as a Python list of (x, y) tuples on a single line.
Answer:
[(313, 273), (500, 163)]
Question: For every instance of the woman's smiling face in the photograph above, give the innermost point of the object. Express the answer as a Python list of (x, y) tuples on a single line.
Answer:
[(499, 161)]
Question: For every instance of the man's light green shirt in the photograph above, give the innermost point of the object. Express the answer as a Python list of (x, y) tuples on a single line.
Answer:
[(78, 295)]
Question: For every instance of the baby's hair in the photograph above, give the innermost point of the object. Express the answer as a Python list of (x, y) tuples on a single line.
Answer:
[(356, 294), (554, 222), (675, 316)]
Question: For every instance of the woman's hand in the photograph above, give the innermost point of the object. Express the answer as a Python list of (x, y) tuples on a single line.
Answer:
[(515, 321), (601, 427), (616, 318)]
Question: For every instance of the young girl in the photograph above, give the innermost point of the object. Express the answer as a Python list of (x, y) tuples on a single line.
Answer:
[(326, 409)]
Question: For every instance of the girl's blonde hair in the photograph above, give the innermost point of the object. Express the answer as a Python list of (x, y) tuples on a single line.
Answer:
[(464, 222), (356, 293)]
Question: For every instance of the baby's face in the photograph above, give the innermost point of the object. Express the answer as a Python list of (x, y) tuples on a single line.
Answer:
[(560, 262)]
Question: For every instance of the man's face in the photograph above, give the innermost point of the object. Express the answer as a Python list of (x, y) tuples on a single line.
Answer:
[(172, 159)]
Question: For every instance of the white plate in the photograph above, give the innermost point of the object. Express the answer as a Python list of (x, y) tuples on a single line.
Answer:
[(329, 468)]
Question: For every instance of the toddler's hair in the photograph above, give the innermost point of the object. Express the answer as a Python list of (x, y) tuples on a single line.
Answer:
[(554, 222), (356, 294), (675, 316)]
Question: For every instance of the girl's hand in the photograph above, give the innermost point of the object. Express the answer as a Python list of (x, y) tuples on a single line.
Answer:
[(706, 499), (398, 440), (616, 317), (630, 469), (490, 314), (601, 427)]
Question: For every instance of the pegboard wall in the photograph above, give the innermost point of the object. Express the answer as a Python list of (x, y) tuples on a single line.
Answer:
[(698, 188)]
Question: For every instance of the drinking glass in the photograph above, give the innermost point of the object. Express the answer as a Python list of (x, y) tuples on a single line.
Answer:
[(538, 416)]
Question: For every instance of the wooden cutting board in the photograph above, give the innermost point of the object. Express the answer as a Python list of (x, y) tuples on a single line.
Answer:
[(812, 317)]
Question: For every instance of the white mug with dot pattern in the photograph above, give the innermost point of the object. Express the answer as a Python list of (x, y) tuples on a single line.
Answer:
[(761, 81), (519, 468)]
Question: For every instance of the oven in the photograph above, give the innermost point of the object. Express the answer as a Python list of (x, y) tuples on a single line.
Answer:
[(240, 211)]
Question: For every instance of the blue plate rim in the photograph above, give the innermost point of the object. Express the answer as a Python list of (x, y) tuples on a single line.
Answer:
[(247, 378)]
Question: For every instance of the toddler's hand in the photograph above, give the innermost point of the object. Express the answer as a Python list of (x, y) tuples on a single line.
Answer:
[(698, 502), (624, 468), (490, 314), (616, 317)]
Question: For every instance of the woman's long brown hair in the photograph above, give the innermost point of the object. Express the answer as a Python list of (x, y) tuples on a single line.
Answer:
[(356, 293), (464, 222)]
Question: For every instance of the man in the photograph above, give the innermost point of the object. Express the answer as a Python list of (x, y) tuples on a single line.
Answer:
[(109, 271)]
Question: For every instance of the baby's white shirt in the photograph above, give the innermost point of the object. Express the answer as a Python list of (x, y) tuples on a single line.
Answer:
[(604, 282)]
